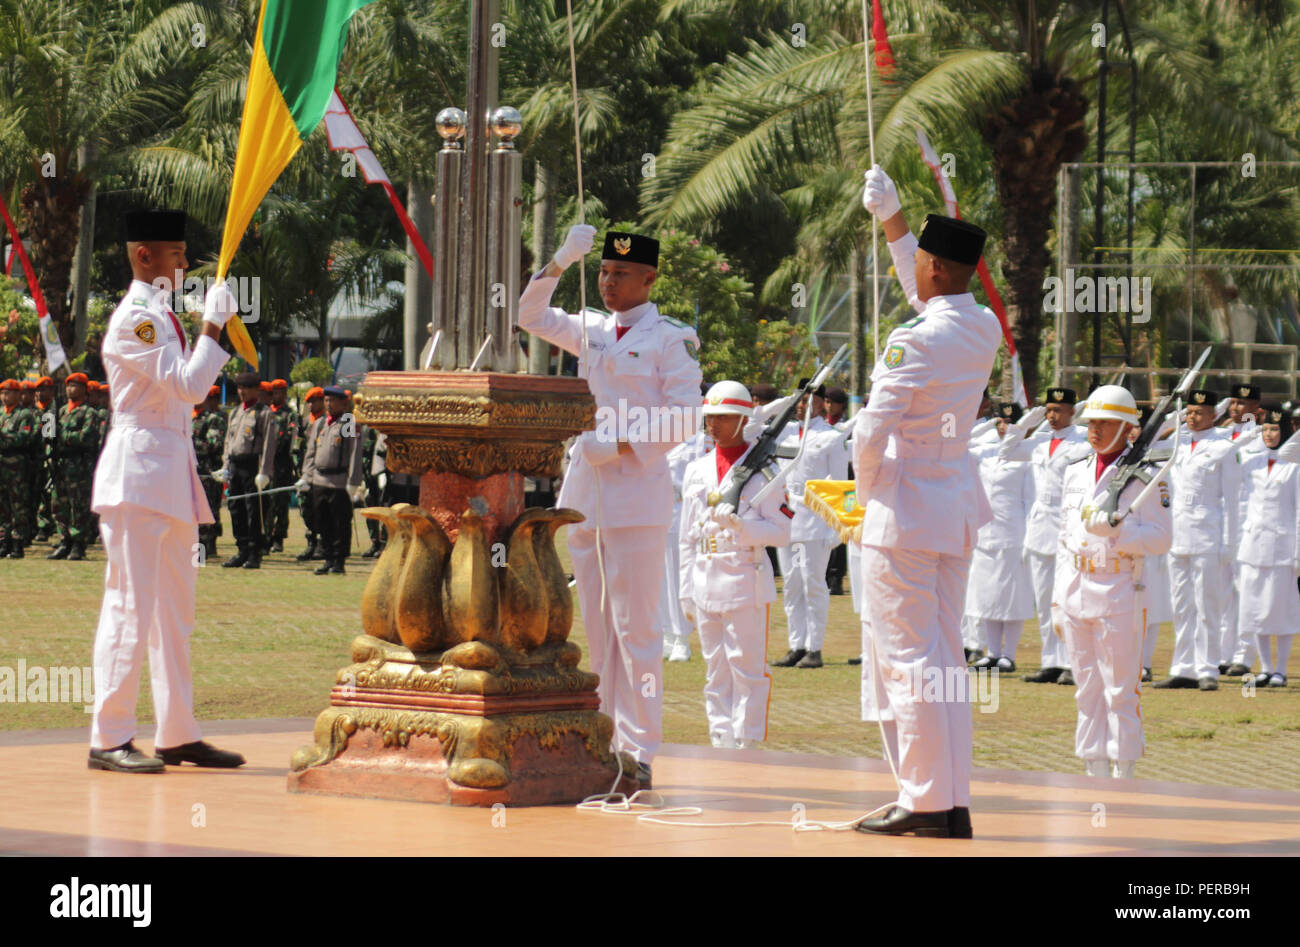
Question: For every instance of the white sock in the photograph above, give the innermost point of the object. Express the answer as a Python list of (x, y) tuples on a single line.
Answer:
[(1266, 653), (1283, 653), (1011, 637)]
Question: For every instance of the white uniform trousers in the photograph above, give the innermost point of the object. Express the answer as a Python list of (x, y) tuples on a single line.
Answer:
[(1106, 654), (807, 596), (737, 685), (148, 603), (1197, 589), (855, 579), (625, 644), (1003, 637), (1042, 572), (973, 634), (672, 623), (914, 600)]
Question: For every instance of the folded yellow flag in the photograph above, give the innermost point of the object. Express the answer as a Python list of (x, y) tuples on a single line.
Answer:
[(836, 502)]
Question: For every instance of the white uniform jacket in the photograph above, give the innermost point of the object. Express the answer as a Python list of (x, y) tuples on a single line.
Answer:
[(1009, 486), (826, 457), (914, 473), (155, 380), (1206, 481), (722, 569), (679, 458), (1042, 531), (1096, 575), (1270, 534), (651, 378)]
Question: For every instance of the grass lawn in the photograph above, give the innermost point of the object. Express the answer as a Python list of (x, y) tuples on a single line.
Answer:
[(268, 643)]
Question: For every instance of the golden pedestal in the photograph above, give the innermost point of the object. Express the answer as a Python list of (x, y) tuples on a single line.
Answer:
[(465, 688)]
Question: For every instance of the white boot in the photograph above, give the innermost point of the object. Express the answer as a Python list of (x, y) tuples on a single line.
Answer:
[(668, 645), (681, 650), (1124, 769), (722, 741), (1096, 767)]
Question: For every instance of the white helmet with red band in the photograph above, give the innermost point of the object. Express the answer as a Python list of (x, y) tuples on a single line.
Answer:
[(1111, 402), (729, 397)]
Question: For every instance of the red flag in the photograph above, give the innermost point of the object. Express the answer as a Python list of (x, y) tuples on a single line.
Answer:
[(884, 53), (32, 286), (345, 136)]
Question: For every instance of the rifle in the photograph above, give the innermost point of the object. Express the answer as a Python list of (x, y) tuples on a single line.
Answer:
[(764, 448), (1140, 454)]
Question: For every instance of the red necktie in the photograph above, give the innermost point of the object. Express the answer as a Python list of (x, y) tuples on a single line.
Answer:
[(1056, 442), (1270, 464), (620, 331), (1234, 434), (1194, 443), (177, 326)]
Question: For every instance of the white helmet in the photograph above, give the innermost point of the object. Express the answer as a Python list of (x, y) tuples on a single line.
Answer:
[(729, 397), (1113, 402)]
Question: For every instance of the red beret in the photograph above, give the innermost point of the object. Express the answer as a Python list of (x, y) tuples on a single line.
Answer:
[(29, 385), (45, 381), (92, 385), (264, 385), (214, 392), (76, 376), (278, 384), (317, 392), (10, 384)]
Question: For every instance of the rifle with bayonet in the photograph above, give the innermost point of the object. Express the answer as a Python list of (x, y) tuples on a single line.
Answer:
[(1141, 456), (764, 449)]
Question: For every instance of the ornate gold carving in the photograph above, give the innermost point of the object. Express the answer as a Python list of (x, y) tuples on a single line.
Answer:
[(470, 457), (378, 600), (419, 593), (540, 412)]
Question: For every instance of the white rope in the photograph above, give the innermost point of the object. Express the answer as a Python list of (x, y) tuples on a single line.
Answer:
[(875, 224)]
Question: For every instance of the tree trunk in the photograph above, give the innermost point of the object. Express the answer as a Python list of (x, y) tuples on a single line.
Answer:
[(417, 306), (539, 350), (1068, 241), (86, 156), (52, 214), (1031, 137)]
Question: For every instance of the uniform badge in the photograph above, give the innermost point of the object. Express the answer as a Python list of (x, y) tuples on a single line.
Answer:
[(850, 501), (894, 356), (917, 320), (692, 349), (1164, 494), (623, 245), (145, 332)]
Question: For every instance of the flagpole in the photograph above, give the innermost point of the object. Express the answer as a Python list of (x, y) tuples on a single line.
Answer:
[(875, 224)]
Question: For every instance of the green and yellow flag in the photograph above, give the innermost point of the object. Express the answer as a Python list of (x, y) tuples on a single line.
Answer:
[(295, 64)]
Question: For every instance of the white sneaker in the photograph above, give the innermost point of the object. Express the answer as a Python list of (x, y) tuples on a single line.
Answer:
[(681, 650), (749, 744), (1124, 769), (668, 646), (722, 741), (1096, 768)]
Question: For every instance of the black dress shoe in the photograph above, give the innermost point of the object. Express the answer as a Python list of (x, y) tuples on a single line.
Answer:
[(970, 653), (1237, 670), (1175, 683), (16, 552), (813, 659), (60, 552), (373, 552), (959, 822), (643, 775), (200, 754), (277, 546), (1005, 665), (792, 657), (324, 568), (308, 554), (235, 561), (1146, 674), (337, 568), (77, 553), (1044, 676), (1208, 684), (1066, 678), (985, 662), (1223, 667), (123, 759), (41, 537), (254, 561), (899, 821), (857, 660)]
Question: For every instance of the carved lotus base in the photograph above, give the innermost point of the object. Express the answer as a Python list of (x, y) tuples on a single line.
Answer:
[(472, 726)]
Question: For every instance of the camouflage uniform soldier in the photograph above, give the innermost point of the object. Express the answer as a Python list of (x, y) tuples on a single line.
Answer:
[(47, 413), (19, 436), (315, 401), (247, 465), (286, 421), (78, 445), (209, 435)]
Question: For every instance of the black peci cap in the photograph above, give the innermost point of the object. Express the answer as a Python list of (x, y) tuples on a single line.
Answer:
[(952, 239), (631, 248), (1061, 396), (1202, 396), (140, 226)]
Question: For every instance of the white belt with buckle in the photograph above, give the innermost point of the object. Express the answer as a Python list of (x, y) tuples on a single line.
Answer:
[(1109, 567)]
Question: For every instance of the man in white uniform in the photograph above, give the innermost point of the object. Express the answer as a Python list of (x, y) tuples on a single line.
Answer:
[(1050, 452), (1099, 594), (924, 507), (150, 502), (726, 580), (675, 625), (1206, 481), (638, 363), (803, 562), (1237, 651)]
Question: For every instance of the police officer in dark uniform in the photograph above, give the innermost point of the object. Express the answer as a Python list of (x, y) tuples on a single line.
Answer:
[(249, 463), (331, 471)]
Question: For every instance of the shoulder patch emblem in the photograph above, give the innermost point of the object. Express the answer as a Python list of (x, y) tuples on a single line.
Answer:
[(139, 301), (692, 349), (911, 322), (893, 356), (674, 322), (145, 333)]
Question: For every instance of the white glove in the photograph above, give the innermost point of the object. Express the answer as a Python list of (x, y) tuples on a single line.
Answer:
[(1221, 408), (688, 609), (220, 305), (723, 509), (382, 480), (880, 196), (729, 521), (576, 245), (221, 476), (302, 486), (596, 451), (1033, 417), (1098, 524), (359, 493), (261, 481)]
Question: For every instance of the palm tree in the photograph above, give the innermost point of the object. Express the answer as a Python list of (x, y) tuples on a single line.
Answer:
[(80, 84), (1004, 86)]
